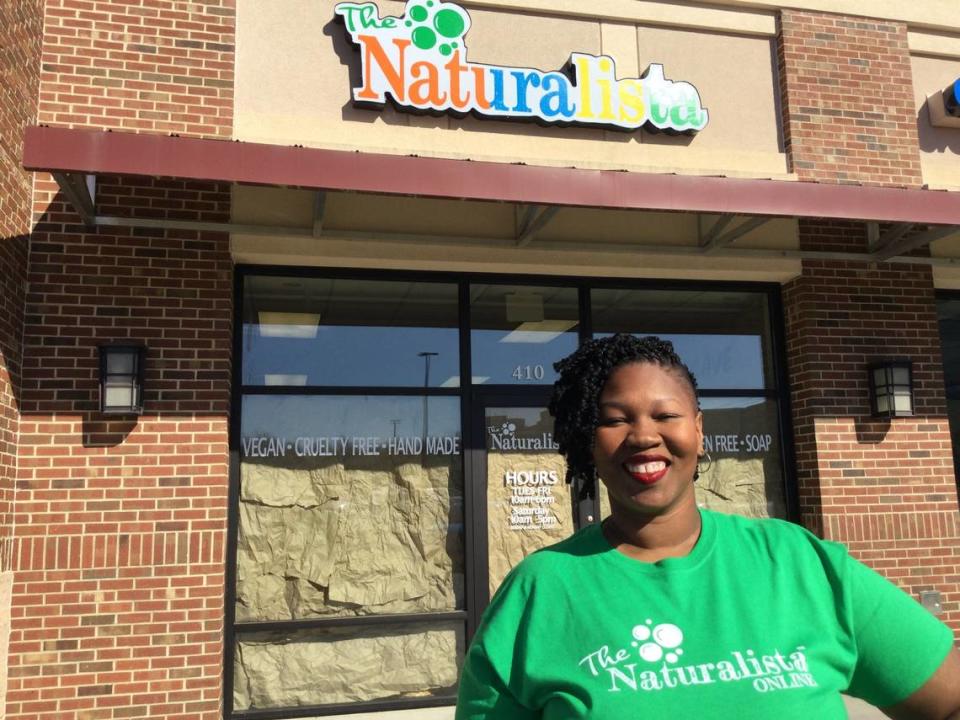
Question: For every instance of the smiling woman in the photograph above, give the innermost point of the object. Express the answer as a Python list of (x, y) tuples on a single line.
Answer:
[(648, 440), (612, 623)]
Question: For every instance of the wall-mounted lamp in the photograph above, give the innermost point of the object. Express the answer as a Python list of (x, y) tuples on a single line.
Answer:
[(121, 379), (891, 388)]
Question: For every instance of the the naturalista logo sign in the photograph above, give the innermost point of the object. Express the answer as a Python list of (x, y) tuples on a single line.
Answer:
[(419, 62)]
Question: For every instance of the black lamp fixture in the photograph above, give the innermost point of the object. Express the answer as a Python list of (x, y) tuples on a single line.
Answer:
[(891, 388), (121, 379)]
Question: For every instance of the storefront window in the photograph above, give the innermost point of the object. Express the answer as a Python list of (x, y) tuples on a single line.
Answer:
[(724, 337), (518, 332), (349, 506), (366, 537), (745, 476), (347, 665), (948, 315), (316, 331)]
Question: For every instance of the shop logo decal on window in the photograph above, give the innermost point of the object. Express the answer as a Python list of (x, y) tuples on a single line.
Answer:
[(504, 437), (419, 62)]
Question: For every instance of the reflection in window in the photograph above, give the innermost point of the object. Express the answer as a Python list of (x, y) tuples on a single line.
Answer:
[(745, 476), (518, 332), (322, 331), (948, 315), (349, 506), (724, 337)]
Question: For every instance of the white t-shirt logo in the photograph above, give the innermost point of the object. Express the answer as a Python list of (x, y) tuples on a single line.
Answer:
[(663, 641), (652, 663)]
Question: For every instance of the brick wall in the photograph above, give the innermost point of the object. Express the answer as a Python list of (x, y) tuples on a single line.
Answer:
[(20, 26), (140, 65), (117, 607), (884, 488), (21, 22), (118, 595), (848, 99)]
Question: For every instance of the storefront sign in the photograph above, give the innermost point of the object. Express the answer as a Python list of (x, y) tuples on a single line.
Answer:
[(419, 62), (504, 437), (531, 495), (267, 447), (754, 443)]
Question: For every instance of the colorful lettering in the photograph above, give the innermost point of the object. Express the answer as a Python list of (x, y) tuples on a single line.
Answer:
[(420, 61)]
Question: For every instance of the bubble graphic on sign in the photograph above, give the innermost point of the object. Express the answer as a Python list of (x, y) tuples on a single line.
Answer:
[(424, 38), (449, 23), (432, 22)]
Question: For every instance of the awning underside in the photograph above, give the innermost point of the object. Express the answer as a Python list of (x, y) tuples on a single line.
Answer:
[(731, 214)]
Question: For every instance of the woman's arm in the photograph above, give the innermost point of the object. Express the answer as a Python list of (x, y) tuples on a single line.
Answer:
[(937, 699), (484, 696)]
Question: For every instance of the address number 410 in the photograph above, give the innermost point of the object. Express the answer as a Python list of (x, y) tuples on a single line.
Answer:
[(528, 372)]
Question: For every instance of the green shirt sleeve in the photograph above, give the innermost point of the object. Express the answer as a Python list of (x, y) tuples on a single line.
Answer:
[(483, 694), (899, 644), (494, 661)]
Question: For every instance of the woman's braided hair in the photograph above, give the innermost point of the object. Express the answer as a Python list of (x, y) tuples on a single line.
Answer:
[(576, 394)]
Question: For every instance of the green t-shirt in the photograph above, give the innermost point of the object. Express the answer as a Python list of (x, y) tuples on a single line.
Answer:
[(761, 620)]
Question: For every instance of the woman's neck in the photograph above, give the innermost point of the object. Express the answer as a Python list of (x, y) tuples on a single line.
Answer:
[(654, 537)]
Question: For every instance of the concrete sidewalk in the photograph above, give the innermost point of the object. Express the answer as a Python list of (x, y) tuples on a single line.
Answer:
[(859, 710)]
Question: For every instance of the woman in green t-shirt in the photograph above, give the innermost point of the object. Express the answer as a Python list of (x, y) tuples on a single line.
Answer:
[(668, 610)]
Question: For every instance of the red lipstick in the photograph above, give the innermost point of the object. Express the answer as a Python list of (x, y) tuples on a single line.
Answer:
[(647, 469)]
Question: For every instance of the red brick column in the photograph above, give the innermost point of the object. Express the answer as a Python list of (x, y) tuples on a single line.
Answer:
[(141, 67), (21, 22), (848, 101), (20, 27), (884, 488), (120, 521)]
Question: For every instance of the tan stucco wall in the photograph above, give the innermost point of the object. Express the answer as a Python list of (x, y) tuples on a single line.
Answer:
[(294, 85), (937, 44), (933, 14), (939, 146), (744, 20)]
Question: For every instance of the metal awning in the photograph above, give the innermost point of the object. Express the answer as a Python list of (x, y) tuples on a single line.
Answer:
[(74, 155)]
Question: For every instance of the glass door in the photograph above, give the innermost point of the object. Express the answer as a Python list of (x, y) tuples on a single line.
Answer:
[(527, 502)]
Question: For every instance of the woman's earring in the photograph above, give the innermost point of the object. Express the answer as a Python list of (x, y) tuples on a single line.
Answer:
[(698, 471)]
